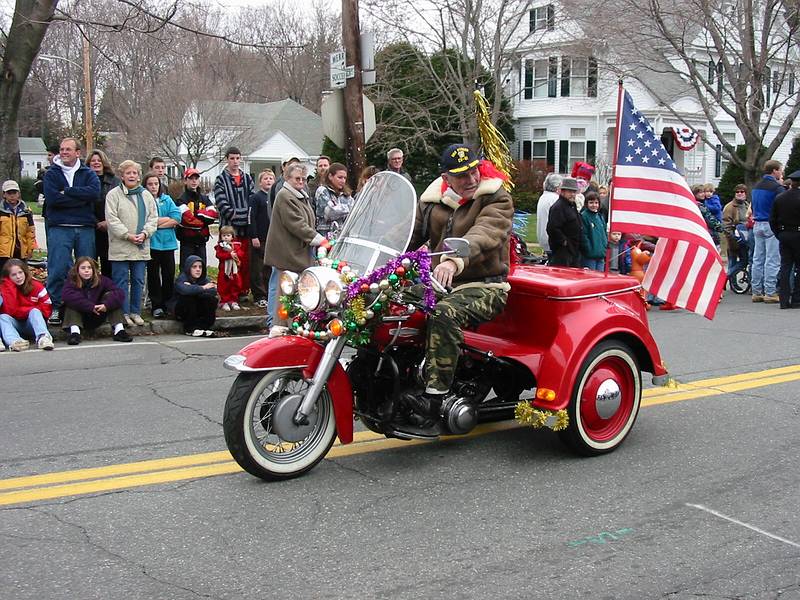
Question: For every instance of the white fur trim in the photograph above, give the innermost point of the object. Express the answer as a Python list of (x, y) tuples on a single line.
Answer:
[(505, 286)]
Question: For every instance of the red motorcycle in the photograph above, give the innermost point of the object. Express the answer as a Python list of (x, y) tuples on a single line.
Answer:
[(567, 352)]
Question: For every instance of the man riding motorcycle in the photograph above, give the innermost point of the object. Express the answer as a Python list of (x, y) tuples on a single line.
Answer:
[(467, 201)]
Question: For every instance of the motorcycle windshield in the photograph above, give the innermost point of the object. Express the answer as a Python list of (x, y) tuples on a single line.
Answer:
[(380, 224)]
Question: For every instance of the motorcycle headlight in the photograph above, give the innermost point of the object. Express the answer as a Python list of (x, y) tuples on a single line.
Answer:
[(309, 290), (287, 282), (334, 292)]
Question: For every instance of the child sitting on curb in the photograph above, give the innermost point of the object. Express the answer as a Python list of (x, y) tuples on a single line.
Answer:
[(196, 298), (91, 299), (25, 308)]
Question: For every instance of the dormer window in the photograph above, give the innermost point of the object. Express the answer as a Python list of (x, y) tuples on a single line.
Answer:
[(543, 18)]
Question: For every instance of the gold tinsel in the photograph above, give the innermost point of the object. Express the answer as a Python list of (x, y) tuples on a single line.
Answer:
[(495, 146), (358, 307), (537, 418)]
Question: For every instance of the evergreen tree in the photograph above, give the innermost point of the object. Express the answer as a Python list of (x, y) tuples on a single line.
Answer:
[(793, 164), (732, 177)]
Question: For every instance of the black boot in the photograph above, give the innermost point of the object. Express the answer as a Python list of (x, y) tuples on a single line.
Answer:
[(419, 415)]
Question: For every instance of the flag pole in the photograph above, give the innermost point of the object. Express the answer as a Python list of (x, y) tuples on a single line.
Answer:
[(614, 169)]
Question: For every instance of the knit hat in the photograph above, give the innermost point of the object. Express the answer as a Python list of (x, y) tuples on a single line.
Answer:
[(582, 170)]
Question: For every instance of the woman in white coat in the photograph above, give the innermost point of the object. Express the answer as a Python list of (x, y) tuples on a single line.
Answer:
[(132, 217)]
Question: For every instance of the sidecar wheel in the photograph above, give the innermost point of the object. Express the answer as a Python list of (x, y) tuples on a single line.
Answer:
[(605, 401), (250, 435)]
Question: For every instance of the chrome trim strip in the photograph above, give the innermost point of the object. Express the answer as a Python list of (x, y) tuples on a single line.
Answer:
[(597, 295), (245, 369)]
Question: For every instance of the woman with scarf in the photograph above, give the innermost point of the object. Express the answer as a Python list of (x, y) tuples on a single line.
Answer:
[(292, 237), (333, 201), (99, 163), (132, 218)]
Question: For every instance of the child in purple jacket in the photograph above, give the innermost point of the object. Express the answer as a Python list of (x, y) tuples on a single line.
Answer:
[(90, 299)]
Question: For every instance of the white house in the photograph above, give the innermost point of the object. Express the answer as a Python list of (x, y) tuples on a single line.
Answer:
[(265, 134), (32, 156), (564, 105)]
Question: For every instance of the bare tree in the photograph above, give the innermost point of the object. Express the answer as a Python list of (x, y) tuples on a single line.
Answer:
[(738, 58), (483, 39)]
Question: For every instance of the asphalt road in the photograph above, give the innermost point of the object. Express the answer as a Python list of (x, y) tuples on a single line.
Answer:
[(700, 501)]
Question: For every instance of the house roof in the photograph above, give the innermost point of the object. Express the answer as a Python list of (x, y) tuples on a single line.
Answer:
[(260, 122), (31, 145)]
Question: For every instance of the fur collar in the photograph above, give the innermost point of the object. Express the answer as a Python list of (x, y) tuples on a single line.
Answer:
[(433, 193)]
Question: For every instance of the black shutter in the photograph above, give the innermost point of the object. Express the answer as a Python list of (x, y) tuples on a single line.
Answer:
[(720, 77), (563, 156), (767, 86), (551, 154), (718, 162), (712, 71), (552, 77), (526, 150), (791, 84), (528, 79), (592, 78), (566, 61), (551, 17), (532, 20), (591, 151)]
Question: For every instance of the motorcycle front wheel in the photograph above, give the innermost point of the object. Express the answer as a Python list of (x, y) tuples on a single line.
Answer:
[(249, 424)]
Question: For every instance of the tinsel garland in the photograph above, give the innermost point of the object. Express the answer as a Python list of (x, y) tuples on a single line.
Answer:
[(495, 146), (526, 414), (385, 272)]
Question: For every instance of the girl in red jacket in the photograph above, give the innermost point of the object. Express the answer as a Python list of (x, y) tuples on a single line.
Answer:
[(25, 308)]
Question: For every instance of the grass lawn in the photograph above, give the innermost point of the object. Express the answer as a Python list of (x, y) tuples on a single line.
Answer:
[(529, 232)]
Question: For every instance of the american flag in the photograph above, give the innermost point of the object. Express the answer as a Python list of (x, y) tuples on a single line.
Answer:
[(651, 197)]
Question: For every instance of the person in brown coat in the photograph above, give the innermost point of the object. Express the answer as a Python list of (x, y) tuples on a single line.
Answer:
[(291, 238)]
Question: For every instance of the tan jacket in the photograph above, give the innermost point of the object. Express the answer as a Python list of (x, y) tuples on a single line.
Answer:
[(122, 217), (485, 221), (291, 231), (15, 228)]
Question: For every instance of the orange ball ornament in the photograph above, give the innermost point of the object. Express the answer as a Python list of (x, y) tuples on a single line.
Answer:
[(283, 313)]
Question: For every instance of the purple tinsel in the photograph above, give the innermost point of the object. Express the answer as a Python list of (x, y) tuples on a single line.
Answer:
[(424, 263)]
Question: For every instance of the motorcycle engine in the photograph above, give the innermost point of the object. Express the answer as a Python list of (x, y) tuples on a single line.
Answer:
[(459, 415)]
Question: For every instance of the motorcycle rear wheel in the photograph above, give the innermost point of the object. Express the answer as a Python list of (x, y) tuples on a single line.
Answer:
[(605, 400), (248, 427)]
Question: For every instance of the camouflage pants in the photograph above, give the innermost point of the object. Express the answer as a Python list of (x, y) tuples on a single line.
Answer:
[(452, 312)]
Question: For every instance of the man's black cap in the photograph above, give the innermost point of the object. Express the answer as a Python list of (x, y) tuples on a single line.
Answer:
[(457, 159), (795, 175)]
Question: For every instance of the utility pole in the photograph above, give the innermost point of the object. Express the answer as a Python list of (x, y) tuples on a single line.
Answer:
[(88, 116), (353, 104)]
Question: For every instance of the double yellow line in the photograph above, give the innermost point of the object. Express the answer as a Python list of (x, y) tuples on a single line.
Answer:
[(21, 490)]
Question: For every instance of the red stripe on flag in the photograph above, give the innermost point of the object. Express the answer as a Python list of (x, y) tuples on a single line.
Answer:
[(697, 291), (683, 274), (658, 231), (655, 208), (657, 185)]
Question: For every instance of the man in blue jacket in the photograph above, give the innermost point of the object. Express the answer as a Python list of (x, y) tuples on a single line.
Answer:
[(70, 190), (767, 257)]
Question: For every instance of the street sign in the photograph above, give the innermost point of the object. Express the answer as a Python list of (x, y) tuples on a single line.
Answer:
[(338, 70), (333, 117), (351, 71)]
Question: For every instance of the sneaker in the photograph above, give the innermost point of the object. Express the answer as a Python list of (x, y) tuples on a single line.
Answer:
[(128, 321), (56, 318), (137, 319), (225, 306), (198, 333), (235, 306), (262, 304), (758, 298), (73, 339), (209, 333), (771, 299), (45, 342), (20, 345), (158, 313), (122, 336)]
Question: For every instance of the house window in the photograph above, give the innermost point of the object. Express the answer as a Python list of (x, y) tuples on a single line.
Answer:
[(570, 152), (777, 80), (791, 84), (578, 77), (720, 73), (721, 163), (545, 72), (767, 87), (528, 86), (543, 18), (577, 152), (540, 132), (540, 150), (577, 132)]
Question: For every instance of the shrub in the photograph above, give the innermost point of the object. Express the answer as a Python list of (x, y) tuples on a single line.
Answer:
[(732, 177), (28, 192), (793, 164)]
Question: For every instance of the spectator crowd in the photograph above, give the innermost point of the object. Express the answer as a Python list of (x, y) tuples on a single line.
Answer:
[(112, 235)]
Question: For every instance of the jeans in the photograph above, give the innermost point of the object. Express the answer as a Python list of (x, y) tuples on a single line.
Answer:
[(766, 260), (128, 276), (272, 301), (14, 329), (595, 264), (61, 242)]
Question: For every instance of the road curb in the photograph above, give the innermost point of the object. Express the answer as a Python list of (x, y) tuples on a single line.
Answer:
[(248, 323)]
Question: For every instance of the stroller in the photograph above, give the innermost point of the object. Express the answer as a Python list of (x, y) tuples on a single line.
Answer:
[(740, 260)]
